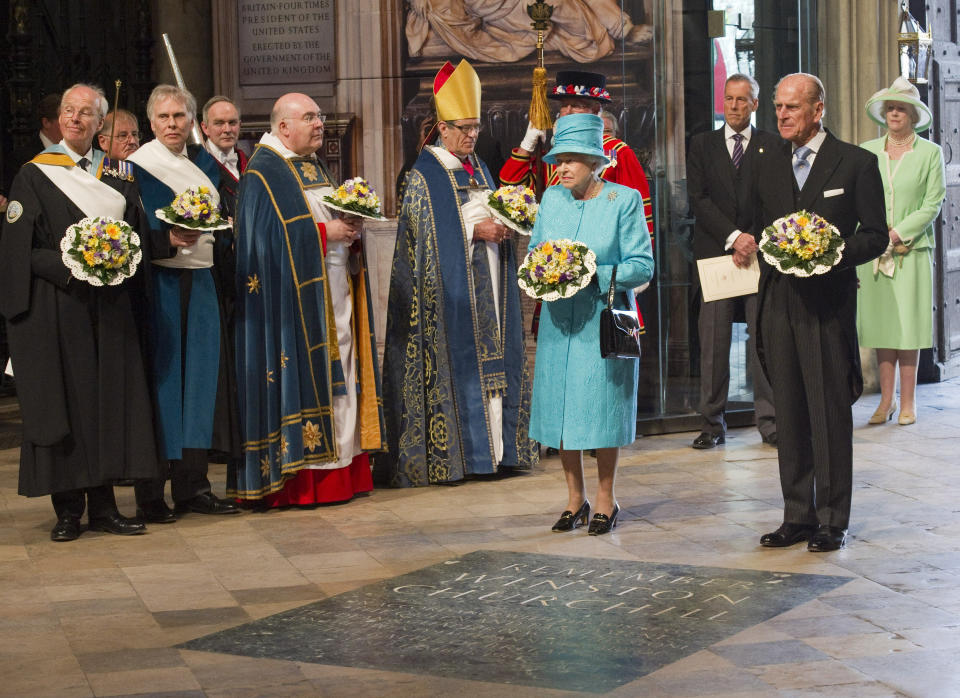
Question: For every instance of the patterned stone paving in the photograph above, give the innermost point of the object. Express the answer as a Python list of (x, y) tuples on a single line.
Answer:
[(110, 616)]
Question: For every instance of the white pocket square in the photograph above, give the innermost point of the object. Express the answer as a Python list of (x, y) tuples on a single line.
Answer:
[(832, 192)]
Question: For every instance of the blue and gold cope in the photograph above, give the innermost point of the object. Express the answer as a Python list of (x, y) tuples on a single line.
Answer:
[(444, 355), (288, 363), (185, 356)]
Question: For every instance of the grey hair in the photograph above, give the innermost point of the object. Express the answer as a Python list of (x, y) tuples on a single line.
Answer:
[(167, 91), (215, 100), (604, 114), (102, 105), (108, 120), (819, 94), (743, 77), (911, 110)]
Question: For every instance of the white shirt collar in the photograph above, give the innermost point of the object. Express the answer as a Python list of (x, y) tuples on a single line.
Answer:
[(729, 133), (220, 154), (75, 156), (46, 141), (815, 142)]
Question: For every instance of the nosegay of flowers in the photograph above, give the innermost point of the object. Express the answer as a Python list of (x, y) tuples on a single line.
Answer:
[(515, 206), (356, 196), (101, 250), (194, 208), (556, 269), (802, 244)]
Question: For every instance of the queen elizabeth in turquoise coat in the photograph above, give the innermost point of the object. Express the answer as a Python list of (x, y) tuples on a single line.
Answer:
[(580, 400)]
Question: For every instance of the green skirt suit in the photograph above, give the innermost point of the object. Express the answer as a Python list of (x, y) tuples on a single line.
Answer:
[(896, 312), (581, 400)]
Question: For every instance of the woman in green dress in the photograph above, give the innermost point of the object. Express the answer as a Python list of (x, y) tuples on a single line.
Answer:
[(895, 306)]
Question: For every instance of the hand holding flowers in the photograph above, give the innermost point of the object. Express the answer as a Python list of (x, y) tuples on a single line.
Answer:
[(356, 197), (556, 269), (101, 250), (196, 208), (802, 244), (514, 206)]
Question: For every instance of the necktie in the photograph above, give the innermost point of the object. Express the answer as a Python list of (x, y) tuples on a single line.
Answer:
[(737, 149), (84, 164), (801, 168)]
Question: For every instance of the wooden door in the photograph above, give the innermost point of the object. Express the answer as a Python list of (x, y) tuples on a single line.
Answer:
[(943, 19)]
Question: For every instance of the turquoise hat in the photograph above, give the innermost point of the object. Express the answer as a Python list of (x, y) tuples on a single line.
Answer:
[(578, 133)]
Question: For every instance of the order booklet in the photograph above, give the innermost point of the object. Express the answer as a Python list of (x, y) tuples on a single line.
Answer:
[(721, 278)]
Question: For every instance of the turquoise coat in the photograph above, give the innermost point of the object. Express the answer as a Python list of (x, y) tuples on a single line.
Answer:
[(897, 312), (580, 399)]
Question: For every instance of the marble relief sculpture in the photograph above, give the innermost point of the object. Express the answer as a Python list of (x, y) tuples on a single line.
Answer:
[(498, 31)]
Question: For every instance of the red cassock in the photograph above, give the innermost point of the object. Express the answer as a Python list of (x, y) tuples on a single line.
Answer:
[(523, 169)]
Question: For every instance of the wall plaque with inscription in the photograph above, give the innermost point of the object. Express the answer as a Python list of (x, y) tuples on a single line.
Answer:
[(587, 625), (284, 42)]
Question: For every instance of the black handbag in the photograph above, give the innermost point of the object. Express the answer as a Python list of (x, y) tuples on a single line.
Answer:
[(619, 329)]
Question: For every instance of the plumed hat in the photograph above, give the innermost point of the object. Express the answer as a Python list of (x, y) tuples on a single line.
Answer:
[(578, 83), (456, 92), (901, 90)]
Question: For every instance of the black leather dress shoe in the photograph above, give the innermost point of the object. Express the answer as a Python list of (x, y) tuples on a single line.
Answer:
[(117, 524), (827, 538), (156, 512), (788, 534), (570, 520), (601, 523), (770, 439), (708, 440), (208, 503), (66, 528)]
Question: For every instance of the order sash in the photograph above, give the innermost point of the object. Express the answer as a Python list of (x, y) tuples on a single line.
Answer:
[(176, 171), (90, 195)]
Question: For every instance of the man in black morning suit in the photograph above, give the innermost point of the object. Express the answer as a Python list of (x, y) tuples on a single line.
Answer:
[(808, 338), (718, 181)]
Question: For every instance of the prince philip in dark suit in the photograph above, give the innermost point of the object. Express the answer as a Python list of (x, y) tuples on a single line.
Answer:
[(719, 164), (808, 337)]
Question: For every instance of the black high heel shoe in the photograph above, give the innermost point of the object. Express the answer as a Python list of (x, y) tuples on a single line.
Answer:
[(601, 523), (569, 520)]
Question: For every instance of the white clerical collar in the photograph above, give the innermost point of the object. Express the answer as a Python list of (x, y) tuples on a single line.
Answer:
[(815, 142), (274, 142), (73, 154)]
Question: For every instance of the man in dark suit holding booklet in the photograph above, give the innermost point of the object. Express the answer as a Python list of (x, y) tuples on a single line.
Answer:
[(719, 164)]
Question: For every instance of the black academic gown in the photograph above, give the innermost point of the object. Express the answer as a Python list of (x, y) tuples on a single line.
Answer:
[(77, 349)]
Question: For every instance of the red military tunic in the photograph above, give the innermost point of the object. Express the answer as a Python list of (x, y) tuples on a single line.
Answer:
[(519, 169)]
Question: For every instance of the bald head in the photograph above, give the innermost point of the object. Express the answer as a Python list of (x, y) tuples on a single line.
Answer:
[(81, 115), (799, 106), (298, 122)]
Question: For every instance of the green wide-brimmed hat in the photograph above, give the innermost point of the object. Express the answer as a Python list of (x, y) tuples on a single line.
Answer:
[(901, 90), (578, 133)]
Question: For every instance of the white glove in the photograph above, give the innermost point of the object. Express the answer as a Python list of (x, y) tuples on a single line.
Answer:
[(530, 138)]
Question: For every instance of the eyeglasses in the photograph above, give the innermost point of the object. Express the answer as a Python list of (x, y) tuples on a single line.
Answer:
[(85, 113), (125, 135), (312, 118), (469, 129)]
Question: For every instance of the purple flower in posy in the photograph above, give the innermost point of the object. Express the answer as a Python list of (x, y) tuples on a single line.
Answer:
[(566, 276), (538, 271)]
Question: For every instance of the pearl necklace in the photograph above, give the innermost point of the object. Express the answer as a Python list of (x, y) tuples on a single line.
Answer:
[(899, 143)]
